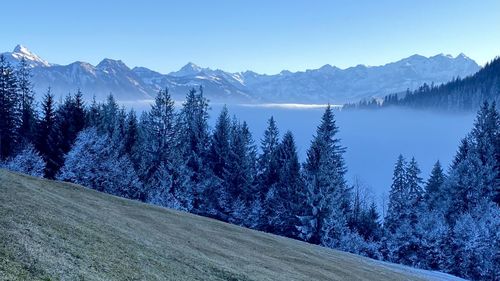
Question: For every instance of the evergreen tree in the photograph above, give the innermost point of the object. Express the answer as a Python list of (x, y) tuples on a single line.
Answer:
[(93, 114), (434, 196), (396, 212), (131, 141), (27, 126), (94, 163), (107, 116), (268, 174), (267, 160), (414, 189), (324, 221), (192, 144), (219, 159), (47, 135), (9, 119), (237, 179), (158, 143), (287, 204), (70, 120), (27, 161)]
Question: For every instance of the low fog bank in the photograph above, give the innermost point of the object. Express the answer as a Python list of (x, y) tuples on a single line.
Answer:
[(373, 138)]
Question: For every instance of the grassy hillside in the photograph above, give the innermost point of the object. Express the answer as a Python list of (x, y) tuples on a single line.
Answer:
[(58, 231)]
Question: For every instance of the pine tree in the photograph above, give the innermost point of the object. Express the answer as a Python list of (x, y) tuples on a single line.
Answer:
[(93, 114), (158, 142), (107, 116), (434, 196), (27, 161), (192, 143), (131, 142), (267, 160), (396, 212), (325, 220), (218, 159), (414, 189), (268, 174), (46, 135), (27, 126), (70, 120), (290, 188), (94, 163), (9, 119), (238, 172)]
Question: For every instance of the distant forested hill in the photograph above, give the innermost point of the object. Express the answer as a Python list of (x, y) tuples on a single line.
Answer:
[(460, 94), (465, 94)]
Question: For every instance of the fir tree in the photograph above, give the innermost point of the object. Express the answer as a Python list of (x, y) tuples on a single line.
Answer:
[(324, 221), (9, 119), (27, 112), (396, 212), (27, 161), (92, 162), (290, 188), (158, 141), (434, 196), (192, 144), (47, 135)]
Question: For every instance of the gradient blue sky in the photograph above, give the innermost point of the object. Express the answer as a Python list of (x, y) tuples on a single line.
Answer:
[(264, 36)]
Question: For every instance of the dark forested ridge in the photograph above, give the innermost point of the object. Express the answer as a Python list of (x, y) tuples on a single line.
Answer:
[(449, 222), (460, 94)]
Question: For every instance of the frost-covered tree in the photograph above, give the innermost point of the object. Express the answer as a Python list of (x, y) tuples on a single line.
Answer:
[(70, 120), (474, 245), (267, 167), (218, 159), (414, 190), (432, 232), (324, 220), (157, 133), (285, 201), (192, 143), (94, 163), (27, 161), (107, 116), (267, 174), (474, 174), (396, 211)]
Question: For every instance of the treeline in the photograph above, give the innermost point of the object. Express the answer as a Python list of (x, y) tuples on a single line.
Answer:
[(465, 94), (170, 157), (452, 222)]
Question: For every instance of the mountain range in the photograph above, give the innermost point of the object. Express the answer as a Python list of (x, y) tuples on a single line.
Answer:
[(325, 84)]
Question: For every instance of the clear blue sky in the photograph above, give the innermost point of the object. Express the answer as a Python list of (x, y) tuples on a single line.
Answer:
[(265, 36)]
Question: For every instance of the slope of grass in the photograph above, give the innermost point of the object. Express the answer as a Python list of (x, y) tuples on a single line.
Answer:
[(58, 231)]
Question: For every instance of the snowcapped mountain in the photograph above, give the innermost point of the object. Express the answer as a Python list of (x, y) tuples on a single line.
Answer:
[(21, 52), (109, 76), (325, 84), (331, 84)]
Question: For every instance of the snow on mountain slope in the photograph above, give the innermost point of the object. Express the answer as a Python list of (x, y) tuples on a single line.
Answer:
[(21, 52), (109, 76), (322, 85), (334, 85)]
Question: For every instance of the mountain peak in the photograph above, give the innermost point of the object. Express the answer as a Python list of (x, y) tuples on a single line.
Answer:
[(33, 60), (111, 63), (21, 49), (191, 66), (463, 56), (189, 69)]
